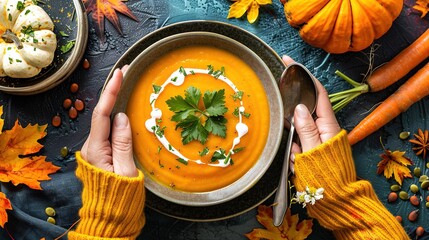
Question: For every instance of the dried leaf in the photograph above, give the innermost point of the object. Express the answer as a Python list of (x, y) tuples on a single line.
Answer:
[(290, 228), (4, 205), (15, 163), (107, 8), (422, 6), (421, 143), (396, 164), (240, 7)]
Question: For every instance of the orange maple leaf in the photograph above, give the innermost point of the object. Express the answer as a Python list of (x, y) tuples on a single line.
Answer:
[(240, 7), (290, 228), (422, 6), (107, 8), (18, 161), (4, 205), (396, 164)]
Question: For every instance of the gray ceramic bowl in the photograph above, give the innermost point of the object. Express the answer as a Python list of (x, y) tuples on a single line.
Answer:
[(70, 18), (145, 58)]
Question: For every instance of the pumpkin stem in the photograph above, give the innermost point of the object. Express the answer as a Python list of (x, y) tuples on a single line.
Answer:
[(10, 37), (341, 99)]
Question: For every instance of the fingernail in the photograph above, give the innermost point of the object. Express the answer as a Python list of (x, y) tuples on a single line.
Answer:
[(301, 111), (121, 121)]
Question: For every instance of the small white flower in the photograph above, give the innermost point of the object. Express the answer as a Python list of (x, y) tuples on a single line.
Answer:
[(310, 195)]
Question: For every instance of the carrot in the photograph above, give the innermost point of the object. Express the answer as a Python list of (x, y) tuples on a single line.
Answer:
[(412, 91), (385, 75)]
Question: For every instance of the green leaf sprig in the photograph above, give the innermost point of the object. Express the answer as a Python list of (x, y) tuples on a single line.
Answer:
[(197, 123)]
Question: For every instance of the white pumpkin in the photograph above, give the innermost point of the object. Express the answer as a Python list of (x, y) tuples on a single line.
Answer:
[(27, 42)]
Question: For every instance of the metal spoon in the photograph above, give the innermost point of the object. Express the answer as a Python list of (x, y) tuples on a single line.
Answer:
[(297, 85)]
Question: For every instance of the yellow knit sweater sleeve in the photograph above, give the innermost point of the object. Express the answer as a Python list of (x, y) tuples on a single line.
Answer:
[(349, 208), (112, 205)]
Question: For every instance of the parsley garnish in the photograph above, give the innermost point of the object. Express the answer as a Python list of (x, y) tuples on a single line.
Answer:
[(28, 30), (237, 95), (204, 152), (174, 79), (198, 123), (20, 6), (218, 155), (237, 113), (183, 161), (183, 71), (63, 34), (216, 73), (67, 47), (156, 88), (237, 150), (9, 17)]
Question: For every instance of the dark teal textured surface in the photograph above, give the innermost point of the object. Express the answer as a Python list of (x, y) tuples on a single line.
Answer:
[(27, 221)]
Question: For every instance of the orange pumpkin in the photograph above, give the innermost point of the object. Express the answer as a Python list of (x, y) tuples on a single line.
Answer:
[(339, 26)]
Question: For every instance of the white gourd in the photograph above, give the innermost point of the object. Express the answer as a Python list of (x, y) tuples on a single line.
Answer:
[(27, 42)]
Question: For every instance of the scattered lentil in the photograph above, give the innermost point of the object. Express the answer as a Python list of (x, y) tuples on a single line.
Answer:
[(51, 220), (50, 212), (427, 204), (403, 195), (404, 135), (395, 187), (56, 121), (425, 184), (414, 200), (393, 196), (79, 105), (422, 178), (72, 113), (413, 215), (417, 172), (67, 103), (64, 151), (86, 64), (399, 218), (414, 188), (74, 87)]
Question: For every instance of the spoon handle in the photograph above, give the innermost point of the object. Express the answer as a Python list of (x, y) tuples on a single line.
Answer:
[(281, 200)]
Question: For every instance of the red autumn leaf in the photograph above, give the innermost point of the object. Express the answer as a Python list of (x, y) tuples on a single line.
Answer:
[(107, 8), (290, 228), (4, 205), (396, 164)]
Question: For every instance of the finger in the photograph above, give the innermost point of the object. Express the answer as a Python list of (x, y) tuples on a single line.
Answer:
[(306, 128), (327, 122), (124, 68), (100, 124), (295, 150), (287, 60), (122, 148)]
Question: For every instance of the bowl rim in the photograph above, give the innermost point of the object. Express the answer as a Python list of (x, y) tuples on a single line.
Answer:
[(270, 149), (69, 66)]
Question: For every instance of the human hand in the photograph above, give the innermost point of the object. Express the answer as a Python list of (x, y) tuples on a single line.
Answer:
[(311, 132), (115, 155)]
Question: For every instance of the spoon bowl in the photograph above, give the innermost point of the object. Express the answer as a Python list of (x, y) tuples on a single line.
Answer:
[(297, 86)]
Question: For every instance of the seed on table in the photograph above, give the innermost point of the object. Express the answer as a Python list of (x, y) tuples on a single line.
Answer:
[(72, 113), (427, 165), (56, 121), (399, 218), (422, 178), (392, 197), (50, 212), (74, 87), (51, 220), (427, 204), (67, 103), (403, 195), (427, 198), (415, 200), (64, 151), (404, 135), (395, 187), (413, 215), (414, 188), (85, 64), (420, 231), (79, 105), (417, 171), (425, 184)]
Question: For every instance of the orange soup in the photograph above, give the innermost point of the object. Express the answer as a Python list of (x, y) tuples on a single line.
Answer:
[(216, 161)]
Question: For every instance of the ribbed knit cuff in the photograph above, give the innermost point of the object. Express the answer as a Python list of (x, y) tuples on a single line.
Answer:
[(112, 205), (349, 207)]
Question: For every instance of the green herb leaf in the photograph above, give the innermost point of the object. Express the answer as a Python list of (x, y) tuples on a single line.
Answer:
[(237, 150), (156, 88), (204, 152), (218, 155), (67, 47), (20, 6), (63, 34), (183, 161), (190, 117), (237, 95)]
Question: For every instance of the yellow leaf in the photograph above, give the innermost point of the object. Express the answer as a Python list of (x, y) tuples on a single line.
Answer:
[(290, 228), (396, 164), (4, 205), (239, 7), (422, 6), (1, 119)]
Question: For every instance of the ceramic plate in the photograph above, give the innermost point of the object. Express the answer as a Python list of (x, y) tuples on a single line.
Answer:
[(267, 185), (69, 18)]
